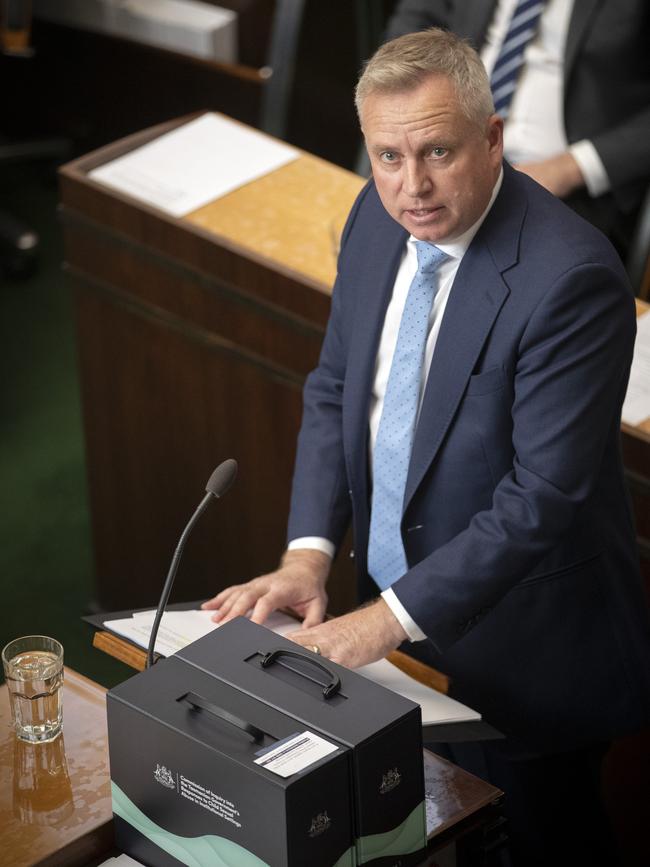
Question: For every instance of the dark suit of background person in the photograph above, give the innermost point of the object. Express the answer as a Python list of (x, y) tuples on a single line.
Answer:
[(606, 91), (523, 570)]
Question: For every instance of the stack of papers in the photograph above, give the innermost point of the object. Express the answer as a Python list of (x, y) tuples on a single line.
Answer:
[(636, 407), (194, 164), (180, 628), (187, 26)]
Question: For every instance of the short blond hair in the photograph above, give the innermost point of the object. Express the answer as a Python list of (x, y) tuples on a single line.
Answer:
[(404, 63)]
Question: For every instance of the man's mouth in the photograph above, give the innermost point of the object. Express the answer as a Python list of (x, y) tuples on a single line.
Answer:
[(422, 213)]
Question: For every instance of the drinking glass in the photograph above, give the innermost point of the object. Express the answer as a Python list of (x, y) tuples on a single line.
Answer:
[(33, 668)]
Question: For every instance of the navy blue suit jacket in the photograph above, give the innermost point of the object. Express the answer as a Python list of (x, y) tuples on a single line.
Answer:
[(523, 569)]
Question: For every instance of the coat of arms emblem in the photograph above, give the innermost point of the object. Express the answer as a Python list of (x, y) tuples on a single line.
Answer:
[(319, 824), (390, 780), (164, 777)]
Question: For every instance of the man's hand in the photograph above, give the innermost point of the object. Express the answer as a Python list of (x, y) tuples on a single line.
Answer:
[(298, 583), (357, 638), (560, 175)]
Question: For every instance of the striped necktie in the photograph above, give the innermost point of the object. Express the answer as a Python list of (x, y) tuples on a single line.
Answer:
[(522, 29), (392, 452)]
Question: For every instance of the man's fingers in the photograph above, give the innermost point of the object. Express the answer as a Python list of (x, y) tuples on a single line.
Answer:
[(237, 604), (210, 604), (314, 613), (218, 600), (264, 606)]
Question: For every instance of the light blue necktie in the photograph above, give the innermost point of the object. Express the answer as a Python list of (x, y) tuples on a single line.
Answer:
[(392, 453), (521, 30)]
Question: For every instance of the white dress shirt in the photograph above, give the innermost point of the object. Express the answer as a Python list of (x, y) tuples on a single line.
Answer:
[(534, 129), (445, 274)]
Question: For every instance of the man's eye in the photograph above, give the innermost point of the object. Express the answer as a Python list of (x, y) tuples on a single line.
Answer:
[(387, 157), (438, 152)]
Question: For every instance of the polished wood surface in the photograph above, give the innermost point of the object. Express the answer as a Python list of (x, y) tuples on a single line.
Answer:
[(419, 671), (55, 800), (120, 649), (452, 795), (194, 339), (271, 213)]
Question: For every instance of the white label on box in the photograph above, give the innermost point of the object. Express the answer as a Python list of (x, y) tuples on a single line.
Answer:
[(295, 753)]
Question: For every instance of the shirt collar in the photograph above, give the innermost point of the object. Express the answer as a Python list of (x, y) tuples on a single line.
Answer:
[(457, 247)]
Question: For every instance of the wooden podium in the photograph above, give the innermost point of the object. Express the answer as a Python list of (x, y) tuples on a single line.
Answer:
[(55, 798), (194, 338)]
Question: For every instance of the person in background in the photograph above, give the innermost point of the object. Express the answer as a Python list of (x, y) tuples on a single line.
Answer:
[(572, 80), (464, 416)]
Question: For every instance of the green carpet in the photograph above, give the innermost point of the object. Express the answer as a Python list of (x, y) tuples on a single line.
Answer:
[(46, 570)]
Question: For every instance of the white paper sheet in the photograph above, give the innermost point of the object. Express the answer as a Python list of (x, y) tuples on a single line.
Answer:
[(180, 628), (194, 164), (636, 407), (121, 861)]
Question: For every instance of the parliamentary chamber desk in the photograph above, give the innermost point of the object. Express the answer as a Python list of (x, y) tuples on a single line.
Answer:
[(55, 801), (194, 338)]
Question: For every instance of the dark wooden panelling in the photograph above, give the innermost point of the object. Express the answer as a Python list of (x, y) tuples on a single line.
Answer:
[(191, 350)]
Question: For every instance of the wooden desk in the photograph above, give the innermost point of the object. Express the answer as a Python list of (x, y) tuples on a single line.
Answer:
[(194, 337), (55, 799), (55, 802)]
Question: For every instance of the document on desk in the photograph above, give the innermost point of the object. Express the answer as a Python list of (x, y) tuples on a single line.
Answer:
[(180, 628), (636, 407), (121, 861), (194, 164)]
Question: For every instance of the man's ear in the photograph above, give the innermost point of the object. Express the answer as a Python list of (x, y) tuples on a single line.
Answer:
[(495, 135)]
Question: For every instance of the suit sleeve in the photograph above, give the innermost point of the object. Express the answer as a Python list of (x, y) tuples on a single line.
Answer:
[(320, 501), (624, 149), (570, 378), (412, 15)]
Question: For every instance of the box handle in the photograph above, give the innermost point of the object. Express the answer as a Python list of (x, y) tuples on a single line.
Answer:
[(199, 703), (329, 689)]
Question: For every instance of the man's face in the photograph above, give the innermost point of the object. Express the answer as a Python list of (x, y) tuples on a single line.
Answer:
[(434, 169)]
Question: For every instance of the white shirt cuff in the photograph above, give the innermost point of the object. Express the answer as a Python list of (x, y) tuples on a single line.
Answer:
[(315, 543), (405, 620), (591, 166)]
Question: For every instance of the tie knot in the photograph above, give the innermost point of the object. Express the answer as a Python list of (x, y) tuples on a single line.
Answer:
[(429, 257)]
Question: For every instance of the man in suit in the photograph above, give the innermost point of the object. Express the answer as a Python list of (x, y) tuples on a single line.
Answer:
[(465, 417), (580, 117)]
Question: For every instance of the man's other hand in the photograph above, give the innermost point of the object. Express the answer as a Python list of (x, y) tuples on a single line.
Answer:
[(357, 638), (560, 175), (298, 583)]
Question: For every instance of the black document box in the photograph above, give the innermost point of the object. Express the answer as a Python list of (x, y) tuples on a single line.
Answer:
[(187, 788), (382, 730)]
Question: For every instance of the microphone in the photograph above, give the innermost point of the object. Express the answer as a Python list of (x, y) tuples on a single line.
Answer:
[(218, 483)]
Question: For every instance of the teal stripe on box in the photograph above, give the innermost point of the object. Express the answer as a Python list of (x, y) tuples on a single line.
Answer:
[(407, 837), (206, 851)]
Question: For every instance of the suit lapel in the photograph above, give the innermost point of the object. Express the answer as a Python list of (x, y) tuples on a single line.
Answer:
[(476, 297), (581, 17)]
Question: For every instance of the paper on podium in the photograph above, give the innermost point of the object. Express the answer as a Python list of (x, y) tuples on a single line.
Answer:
[(180, 628), (194, 164), (636, 407)]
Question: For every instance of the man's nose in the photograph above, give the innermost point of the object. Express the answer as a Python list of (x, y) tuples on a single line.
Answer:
[(416, 182)]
